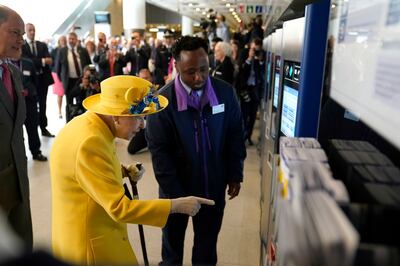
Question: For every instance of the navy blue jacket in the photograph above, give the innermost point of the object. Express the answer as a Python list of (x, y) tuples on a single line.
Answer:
[(178, 161), (29, 78)]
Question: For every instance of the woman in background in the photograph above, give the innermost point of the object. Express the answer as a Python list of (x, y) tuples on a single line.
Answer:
[(57, 86), (224, 68)]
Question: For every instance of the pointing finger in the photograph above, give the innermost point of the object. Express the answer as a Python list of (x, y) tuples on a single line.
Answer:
[(205, 201)]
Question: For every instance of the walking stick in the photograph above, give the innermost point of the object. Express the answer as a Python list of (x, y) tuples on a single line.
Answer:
[(135, 195)]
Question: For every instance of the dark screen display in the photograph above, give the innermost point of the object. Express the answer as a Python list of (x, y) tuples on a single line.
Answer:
[(277, 80), (102, 18), (290, 98), (276, 92)]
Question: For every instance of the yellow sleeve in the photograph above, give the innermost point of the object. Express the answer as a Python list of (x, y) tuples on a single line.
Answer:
[(98, 173)]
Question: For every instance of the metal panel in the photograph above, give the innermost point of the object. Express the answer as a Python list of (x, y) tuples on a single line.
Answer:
[(269, 147), (313, 63), (293, 36)]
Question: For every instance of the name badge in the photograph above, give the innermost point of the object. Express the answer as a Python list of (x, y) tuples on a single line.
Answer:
[(349, 115), (26, 73), (220, 108)]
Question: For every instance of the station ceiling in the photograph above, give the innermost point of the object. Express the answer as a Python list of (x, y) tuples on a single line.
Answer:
[(244, 9)]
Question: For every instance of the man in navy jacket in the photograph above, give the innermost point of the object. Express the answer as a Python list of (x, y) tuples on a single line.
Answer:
[(197, 147)]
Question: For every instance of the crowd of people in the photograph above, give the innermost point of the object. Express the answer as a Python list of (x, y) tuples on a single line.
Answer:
[(195, 127)]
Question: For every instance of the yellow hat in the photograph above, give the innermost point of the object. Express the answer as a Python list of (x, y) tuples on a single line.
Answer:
[(126, 96)]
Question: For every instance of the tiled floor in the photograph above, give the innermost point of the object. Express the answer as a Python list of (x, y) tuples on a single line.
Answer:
[(239, 241)]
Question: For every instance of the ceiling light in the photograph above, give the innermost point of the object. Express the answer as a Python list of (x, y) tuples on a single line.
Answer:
[(228, 5), (153, 29), (231, 9), (204, 12), (190, 4), (233, 13), (198, 9)]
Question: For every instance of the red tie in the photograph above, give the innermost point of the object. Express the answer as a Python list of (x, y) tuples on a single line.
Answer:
[(77, 68), (7, 80), (111, 61)]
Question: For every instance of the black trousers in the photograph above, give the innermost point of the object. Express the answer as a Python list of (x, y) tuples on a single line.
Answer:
[(249, 114), (138, 142), (69, 98), (206, 227), (42, 99), (20, 220), (31, 124)]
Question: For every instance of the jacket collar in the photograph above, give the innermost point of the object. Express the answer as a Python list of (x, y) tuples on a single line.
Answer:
[(98, 121), (182, 95)]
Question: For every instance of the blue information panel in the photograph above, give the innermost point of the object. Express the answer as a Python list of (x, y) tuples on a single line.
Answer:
[(276, 89), (290, 98), (289, 110), (267, 94), (276, 81)]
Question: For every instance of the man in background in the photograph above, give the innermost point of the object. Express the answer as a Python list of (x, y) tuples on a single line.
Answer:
[(71, 61), (222, 29), (39, 54), (138, 54), (251, 84), (163, 58), (29, 81)]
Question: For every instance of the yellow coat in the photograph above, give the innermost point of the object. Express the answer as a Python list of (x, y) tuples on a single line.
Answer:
[(89, 208)]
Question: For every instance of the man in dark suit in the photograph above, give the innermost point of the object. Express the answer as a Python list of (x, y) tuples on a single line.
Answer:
[(39, 54), (138, 54), (163, 58), (29, 80), (111, 62), (14, 184), (251, 84), (71, 61)]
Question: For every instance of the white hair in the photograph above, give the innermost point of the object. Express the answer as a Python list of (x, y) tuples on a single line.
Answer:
[(225, 48)]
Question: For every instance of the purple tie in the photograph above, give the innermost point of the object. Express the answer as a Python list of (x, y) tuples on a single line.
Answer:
[(6, 77), (195, 99)]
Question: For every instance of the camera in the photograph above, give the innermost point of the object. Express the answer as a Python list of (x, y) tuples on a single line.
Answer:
[(94, 77), (257, 53)]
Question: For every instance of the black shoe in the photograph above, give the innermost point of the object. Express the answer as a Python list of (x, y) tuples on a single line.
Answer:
[(250, 142), (39, 157), (46, 133)]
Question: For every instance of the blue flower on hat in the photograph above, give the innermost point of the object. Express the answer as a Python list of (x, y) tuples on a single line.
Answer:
[(149, 103)]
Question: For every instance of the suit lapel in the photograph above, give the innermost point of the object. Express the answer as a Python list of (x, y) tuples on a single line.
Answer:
[(28, 49)]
